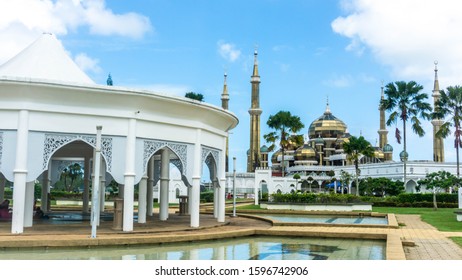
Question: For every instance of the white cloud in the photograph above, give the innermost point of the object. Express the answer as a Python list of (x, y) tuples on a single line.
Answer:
[(407, 35), (228, 51), (87, 63), (22, 21)]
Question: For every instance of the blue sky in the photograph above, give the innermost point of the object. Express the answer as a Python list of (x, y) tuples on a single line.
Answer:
[(308, 50)]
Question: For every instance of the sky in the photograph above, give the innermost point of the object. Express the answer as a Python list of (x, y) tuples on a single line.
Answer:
[(308, 51)]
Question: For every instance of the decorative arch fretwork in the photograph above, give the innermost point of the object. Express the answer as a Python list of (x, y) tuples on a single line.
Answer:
[(54, 142), (181, 151), (211, 158)]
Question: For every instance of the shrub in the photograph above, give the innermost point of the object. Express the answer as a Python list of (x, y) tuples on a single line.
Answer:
[(206, 196)]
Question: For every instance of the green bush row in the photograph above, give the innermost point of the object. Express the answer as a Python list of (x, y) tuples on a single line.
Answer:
[(314, 198), (427, 197), (416, 204)]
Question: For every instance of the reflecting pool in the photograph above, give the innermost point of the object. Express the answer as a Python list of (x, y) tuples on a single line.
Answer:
[(243, 248), (327, 219)]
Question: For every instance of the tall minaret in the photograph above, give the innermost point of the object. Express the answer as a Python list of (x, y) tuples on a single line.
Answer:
[(438, 144), (253, 157), (224, 105), (383, 132)]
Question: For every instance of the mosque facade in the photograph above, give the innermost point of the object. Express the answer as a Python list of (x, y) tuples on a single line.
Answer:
[(322, 153)]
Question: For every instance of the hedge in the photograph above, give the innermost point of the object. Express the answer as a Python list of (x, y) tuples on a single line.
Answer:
[(416, 204), (314, 198), (427, 197)]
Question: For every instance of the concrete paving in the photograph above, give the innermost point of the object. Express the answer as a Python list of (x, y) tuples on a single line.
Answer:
[(422, 241)]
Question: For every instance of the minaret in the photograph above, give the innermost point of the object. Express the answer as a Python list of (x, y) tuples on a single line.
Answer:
[(383, 132), (224, 105), (438, 144), (253, 157)]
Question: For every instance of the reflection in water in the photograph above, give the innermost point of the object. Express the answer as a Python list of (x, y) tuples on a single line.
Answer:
[(327, 219), (244, 248), (309, 251)]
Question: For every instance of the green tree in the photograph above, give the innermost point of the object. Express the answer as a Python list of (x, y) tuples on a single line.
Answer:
[(310, 181), (72, 172), (345, 178), (195, 96), (437, 182), (355, 148), (285, 127), (406, 102), (296, 177), (381, 187), (449, 105)]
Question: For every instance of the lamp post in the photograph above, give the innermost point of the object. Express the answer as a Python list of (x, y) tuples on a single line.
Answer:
[(234, 186)]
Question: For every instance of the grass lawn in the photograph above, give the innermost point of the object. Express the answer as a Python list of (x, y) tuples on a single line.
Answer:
[(251, 207), (443, 219), (457, 240)]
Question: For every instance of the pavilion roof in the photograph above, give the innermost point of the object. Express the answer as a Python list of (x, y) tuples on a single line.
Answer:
[(45, 59)]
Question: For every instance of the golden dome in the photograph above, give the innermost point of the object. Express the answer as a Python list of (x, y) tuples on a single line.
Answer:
[(327, 126), (274, 157), (379, 154), (305, 152)]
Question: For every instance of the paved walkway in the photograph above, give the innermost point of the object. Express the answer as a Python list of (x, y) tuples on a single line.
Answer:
[(429, 243)]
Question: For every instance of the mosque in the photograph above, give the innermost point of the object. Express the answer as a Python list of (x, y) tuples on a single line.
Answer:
[(322, 154)]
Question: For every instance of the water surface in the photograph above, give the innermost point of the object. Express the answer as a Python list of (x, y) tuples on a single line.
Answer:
[(243, 248)]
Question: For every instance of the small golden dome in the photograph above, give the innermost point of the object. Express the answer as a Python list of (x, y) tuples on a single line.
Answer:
[(305, 152)]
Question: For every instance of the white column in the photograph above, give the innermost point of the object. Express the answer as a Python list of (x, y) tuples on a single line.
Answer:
[(2, 187), (142, 202), (221, 172), (164, 180), (102, 184), (256, 187), (95, 194), (150, 188), (189, 199), (215, 198), (194, 198), (129, 176), (29, 204), (20, 172), (44, 190), (86, 186)]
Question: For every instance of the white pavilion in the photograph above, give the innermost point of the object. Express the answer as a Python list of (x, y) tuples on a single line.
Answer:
[(50, 110)]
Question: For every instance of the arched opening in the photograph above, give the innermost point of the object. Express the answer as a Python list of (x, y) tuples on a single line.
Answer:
[(411, 186), (175, 171), (263, 190), (65, 185)]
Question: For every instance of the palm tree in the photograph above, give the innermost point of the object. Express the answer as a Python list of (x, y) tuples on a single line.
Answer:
[(285, 127), (355, 148), (450, 105), (406, 102)]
